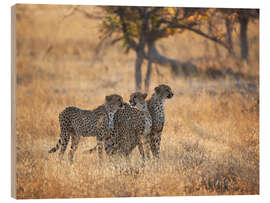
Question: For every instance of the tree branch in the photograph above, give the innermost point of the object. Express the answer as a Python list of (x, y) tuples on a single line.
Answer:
[(199, 32)]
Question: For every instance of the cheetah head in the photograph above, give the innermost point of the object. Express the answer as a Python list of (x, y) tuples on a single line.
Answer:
[(164, 91), (114, 102), (138, 99)]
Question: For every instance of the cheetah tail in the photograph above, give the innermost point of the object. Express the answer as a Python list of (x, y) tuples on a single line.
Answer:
[(89, 151), (54, 149)]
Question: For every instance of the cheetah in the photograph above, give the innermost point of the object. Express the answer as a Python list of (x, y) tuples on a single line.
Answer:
[(132, 127), (156, 109), (75, 122)]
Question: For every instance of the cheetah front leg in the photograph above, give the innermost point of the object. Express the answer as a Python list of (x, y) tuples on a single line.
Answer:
[(100, 149), (146, 144), (140, 147), (155, 139)]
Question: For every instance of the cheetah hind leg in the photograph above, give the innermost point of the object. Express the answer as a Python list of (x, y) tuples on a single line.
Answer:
[(74, 146)]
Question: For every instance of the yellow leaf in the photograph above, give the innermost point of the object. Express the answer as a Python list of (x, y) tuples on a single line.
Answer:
[(168, 31), (171, 10), (190, 18)]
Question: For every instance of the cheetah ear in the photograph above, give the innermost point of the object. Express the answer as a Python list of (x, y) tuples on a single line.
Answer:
[(144, 95), (157, 90), (108, 98)]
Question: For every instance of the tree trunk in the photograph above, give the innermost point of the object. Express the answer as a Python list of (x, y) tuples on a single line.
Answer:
[(140, 49), (243, 37), (149, 67), (138, 69), (148, 75), (229, 36)]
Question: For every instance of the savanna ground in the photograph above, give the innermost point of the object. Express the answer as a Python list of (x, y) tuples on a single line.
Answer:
[(210, 142)]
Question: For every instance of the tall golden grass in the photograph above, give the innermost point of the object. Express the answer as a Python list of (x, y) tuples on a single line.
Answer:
[(210, 142)]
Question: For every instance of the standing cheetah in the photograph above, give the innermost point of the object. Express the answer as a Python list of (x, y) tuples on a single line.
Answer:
[(132, 127), (75, 123), (156, 109)]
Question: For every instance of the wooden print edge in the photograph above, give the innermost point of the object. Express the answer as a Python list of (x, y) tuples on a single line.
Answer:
[(13, 101)]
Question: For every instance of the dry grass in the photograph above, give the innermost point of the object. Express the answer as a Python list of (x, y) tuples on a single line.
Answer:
[(210, 143)]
